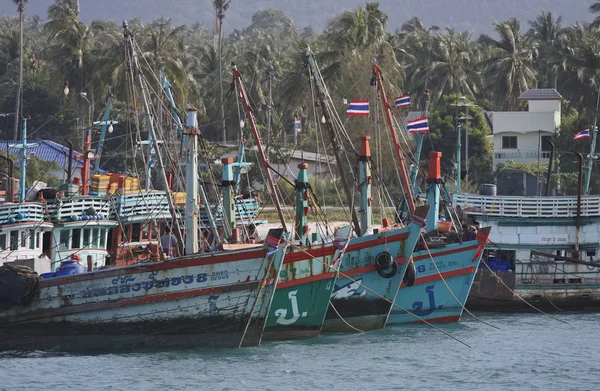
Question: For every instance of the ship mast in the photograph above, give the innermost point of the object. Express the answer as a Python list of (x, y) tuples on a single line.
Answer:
[(134, 67), (334, 141), (388, 113), (237, 76)]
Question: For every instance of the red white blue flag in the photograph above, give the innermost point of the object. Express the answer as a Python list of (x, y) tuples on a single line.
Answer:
[(402, 101), (582, 134), (358, 108), (298, 125), (419, 125)]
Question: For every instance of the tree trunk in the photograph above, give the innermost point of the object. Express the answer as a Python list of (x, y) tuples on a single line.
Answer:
[(18, 105), (223, 129)]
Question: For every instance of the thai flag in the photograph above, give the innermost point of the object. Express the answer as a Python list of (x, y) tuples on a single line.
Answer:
[(358, 108), (582, 134), (402, 101), (419, 125), (298, 125)]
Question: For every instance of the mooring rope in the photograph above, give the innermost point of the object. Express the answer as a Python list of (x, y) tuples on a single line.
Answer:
[(519, 296), (450, 290), (388, 300)]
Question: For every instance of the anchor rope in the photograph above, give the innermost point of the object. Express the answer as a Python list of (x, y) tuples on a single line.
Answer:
[(520, 297), (344, 320), (388, 300), (450, 290), (499, 279)]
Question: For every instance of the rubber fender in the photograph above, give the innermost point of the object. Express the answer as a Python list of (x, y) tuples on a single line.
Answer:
[(411, 274), (384, 262)]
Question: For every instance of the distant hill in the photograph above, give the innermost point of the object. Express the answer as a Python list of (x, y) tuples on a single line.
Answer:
[(476, 16)]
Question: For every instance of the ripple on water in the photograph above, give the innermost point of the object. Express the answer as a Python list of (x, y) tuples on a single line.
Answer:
[(528, 352)]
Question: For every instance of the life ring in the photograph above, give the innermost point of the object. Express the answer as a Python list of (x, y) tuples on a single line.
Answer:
[(60, 195), (383, 262), (410, 275)]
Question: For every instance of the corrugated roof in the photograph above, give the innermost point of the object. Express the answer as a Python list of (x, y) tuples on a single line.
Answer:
[(46, 150), (540, 94)]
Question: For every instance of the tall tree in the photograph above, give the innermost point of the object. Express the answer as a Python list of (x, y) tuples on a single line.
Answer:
[(546, 32), (221, 7), (509, 66), (21, 8)]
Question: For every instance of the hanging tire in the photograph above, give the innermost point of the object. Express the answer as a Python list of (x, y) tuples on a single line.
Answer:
[(385, 265), (411, 275)]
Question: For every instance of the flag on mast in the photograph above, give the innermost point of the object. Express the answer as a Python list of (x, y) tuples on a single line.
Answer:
[(358, 108), (419, 125), (402, 101), (298, 125), (582, 134)]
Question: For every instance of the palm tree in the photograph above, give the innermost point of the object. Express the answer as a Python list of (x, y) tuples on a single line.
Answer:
[(508, 69), (21, 8), (595, 9), (221, 7), (546, 32), (453, 61)]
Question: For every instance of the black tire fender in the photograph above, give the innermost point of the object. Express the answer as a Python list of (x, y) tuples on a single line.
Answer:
[(410, 275), (383, 262)]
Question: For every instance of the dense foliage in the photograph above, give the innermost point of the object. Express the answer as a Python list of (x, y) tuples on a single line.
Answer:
[(491, 71)]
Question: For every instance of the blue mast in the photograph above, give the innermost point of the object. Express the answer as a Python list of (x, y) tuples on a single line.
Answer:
[(419, 146), (105, 125), (23, 146), (174, 111)]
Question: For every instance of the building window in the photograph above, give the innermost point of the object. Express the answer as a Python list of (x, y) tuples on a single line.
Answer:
[(545, 145), (509, 142)]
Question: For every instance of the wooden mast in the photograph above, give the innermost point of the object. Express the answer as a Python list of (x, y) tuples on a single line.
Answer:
[(237, 76), (334, 141), (388, 113)]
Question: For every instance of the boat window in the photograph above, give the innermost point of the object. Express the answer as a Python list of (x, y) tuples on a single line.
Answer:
[(86, 237), (14, 240), (102, 238), (95, 237), (37, 240), (154, 231), (126, 234), (23, 238), (135, 232), (76, 238), (145, 231), (545, 146), (31, 239), (64, 239), (3, 242)]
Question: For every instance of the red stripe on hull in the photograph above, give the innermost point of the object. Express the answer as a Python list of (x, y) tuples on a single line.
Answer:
[(306, 280), (441, 319), (117, 303), (330, 249), (446, 252), (445, 275), (222, 257)]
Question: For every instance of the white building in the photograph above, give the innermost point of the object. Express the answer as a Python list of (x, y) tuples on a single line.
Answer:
[(519, 135)]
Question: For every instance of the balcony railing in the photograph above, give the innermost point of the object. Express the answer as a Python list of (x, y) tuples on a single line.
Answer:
[(511, 206)]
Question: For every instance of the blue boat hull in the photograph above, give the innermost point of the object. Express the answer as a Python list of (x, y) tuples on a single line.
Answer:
[(429, 298)]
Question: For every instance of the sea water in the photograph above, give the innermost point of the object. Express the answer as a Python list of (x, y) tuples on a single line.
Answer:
[(526, 352)]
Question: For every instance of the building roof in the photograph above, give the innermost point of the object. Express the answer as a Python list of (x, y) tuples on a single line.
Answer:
[(46, 150), (540, 94)]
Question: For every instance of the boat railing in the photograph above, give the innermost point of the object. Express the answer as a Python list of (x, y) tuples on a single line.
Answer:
[(515, 206), (129, 205), (11, 213), (70, 208)]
